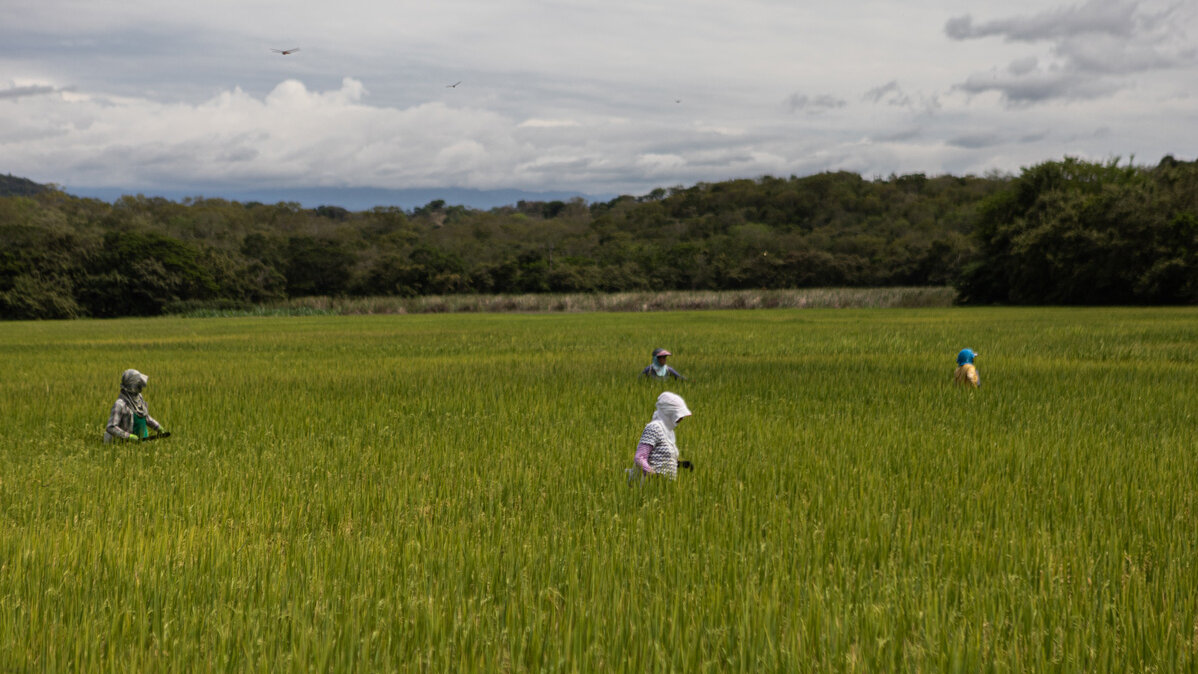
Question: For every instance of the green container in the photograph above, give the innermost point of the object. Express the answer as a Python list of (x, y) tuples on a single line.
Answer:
[(139, 426)]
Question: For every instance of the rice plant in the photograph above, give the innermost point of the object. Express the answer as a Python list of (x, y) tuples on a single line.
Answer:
[(447, 493)]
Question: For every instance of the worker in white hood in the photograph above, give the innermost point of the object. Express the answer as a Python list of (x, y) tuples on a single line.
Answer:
[(657, 451)]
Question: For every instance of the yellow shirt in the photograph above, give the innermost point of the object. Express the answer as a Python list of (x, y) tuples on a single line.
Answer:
[(967, 373)]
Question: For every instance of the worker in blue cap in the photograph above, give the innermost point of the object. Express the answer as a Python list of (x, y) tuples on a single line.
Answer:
[(967, 373)]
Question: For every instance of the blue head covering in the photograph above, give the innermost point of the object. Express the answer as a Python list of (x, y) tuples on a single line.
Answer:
[(965, 357), (660, 369)]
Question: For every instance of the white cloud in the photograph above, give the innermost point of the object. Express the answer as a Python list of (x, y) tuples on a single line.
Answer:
[(598, 97), (548, 123), (719, 129)]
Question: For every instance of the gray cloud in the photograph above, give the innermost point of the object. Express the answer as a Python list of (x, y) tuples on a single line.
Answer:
[(1102, 55), (982, 140), (1036, 87), (893, 95), (1092, 46), (1111, 17), (33, 90), (237, 155), (1023, 66), (901, 136), (890, 92), (821, 103), (976, 141)]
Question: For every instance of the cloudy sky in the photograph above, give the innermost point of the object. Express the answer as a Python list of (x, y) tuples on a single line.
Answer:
[(595, 97)]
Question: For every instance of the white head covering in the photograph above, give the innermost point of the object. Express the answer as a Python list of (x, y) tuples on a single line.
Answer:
[(670, 409)]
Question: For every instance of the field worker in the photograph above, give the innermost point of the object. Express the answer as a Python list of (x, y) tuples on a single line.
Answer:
[(966, 373), (130, 418), (658, 369), (656, 452)]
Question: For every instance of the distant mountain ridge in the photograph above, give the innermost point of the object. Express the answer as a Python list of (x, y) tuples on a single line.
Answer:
[(15, 186), (351, 198)]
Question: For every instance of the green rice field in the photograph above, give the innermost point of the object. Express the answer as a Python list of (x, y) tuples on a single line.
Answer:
[(447, 493)]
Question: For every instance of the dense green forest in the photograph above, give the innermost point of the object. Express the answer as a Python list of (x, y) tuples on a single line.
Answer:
[(1061, 232), (1073, 232)]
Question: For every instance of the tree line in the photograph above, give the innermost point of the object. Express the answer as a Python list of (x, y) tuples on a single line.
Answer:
[(1075, 232), (1060, 232)]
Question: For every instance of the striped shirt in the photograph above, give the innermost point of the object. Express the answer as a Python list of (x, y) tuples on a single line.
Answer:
[(663, 454)]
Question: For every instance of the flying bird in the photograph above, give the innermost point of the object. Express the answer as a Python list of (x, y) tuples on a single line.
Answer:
[(454, 85), (285, 52)]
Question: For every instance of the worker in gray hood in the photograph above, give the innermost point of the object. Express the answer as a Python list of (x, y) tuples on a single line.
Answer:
[(130, 418)]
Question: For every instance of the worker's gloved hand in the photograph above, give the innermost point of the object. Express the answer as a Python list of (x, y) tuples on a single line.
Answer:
[(686, 464), (133, 437)]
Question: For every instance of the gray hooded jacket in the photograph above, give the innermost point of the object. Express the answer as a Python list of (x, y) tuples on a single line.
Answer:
[(130, 402)]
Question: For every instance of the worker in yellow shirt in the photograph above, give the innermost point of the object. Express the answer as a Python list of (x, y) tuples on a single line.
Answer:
[(966, 372)]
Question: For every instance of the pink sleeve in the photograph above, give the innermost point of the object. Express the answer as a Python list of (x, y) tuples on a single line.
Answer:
[(642, 457)]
